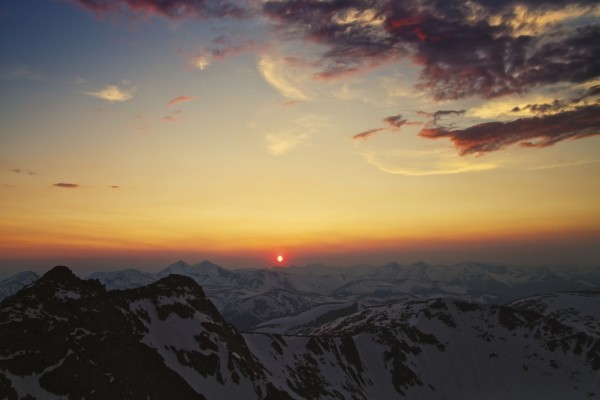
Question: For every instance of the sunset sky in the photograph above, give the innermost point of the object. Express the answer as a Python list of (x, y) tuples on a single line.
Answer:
[(138, 132)]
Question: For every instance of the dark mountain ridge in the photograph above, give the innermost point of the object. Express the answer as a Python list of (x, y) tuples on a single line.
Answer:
[(65, 336)]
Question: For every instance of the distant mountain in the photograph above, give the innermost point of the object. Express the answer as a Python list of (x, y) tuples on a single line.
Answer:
[(67, 337), (204, 273), (123, 279), (17, 282), (242, 295)]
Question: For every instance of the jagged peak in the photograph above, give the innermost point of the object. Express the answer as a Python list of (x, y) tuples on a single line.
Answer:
[(60, 272), (179, 263), (176, 281)]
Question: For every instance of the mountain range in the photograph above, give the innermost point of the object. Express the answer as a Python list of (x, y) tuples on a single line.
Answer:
[(67, 337), (247, 298)]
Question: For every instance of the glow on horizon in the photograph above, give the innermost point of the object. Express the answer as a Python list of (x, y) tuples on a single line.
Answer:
[(152, 132)]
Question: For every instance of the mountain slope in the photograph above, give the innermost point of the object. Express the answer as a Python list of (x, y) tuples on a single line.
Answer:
[(441, 349), (17, 282), (64, 336)]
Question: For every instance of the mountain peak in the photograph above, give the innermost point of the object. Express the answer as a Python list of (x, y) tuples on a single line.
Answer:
[(179, 263), (60, 273), (176, 281)]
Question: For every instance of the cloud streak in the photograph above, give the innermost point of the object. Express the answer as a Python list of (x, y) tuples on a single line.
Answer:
[(19, 171), (367, 134), (276, 73), (393, 122), (538, 131), (180, 99), (67, 185)]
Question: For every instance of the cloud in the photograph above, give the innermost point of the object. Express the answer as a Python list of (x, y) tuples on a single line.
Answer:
[(175, 9), (277, 73), (366, 134), (115, 187), (280, 143), (297, 135), (170, 118), (67, 185), (423, 162), (19, 171), (113, 93), (394, 123), (15, 72), (463, 48), (180, 99), (538, 131)]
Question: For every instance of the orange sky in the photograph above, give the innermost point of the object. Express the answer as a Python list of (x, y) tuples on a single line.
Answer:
[(138, 140)]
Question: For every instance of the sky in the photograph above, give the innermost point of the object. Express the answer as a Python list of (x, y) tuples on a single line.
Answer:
[(135, 133)]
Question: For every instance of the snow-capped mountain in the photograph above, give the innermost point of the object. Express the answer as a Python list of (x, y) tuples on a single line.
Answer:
[(306, 321), (204, 273), (17, 282), (64, 337), (248, 311), (123, 279), (577, 309), (242, 295)]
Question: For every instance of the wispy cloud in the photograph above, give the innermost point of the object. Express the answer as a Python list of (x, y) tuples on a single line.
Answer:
[(366, 134), (22, 171), (180, 99), (113, 93), (393, 122), (297, 135), (277, 72), (171, 8), (14, 72), (67, 185), (423, 162)]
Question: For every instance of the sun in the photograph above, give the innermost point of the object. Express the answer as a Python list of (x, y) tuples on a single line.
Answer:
[(279, 258)]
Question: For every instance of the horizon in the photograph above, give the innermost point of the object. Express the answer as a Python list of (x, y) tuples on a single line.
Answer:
[(138, 132), (84, 270)]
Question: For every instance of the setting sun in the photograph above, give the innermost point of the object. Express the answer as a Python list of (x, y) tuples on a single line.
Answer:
[(279, 258)]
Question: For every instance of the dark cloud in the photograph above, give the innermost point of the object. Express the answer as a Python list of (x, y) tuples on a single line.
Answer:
[(543, 108), (560, 105), (460, 52), (115, 187), (539, 131), (438, 115), (67, 185), (169, 8), (395, 121)]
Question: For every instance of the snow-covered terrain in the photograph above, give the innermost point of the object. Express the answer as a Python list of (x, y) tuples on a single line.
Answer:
[(64, 337), (249, 297), (17, 282)]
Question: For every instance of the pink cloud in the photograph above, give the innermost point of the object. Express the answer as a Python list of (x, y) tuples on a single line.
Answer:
[(180, 99)]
